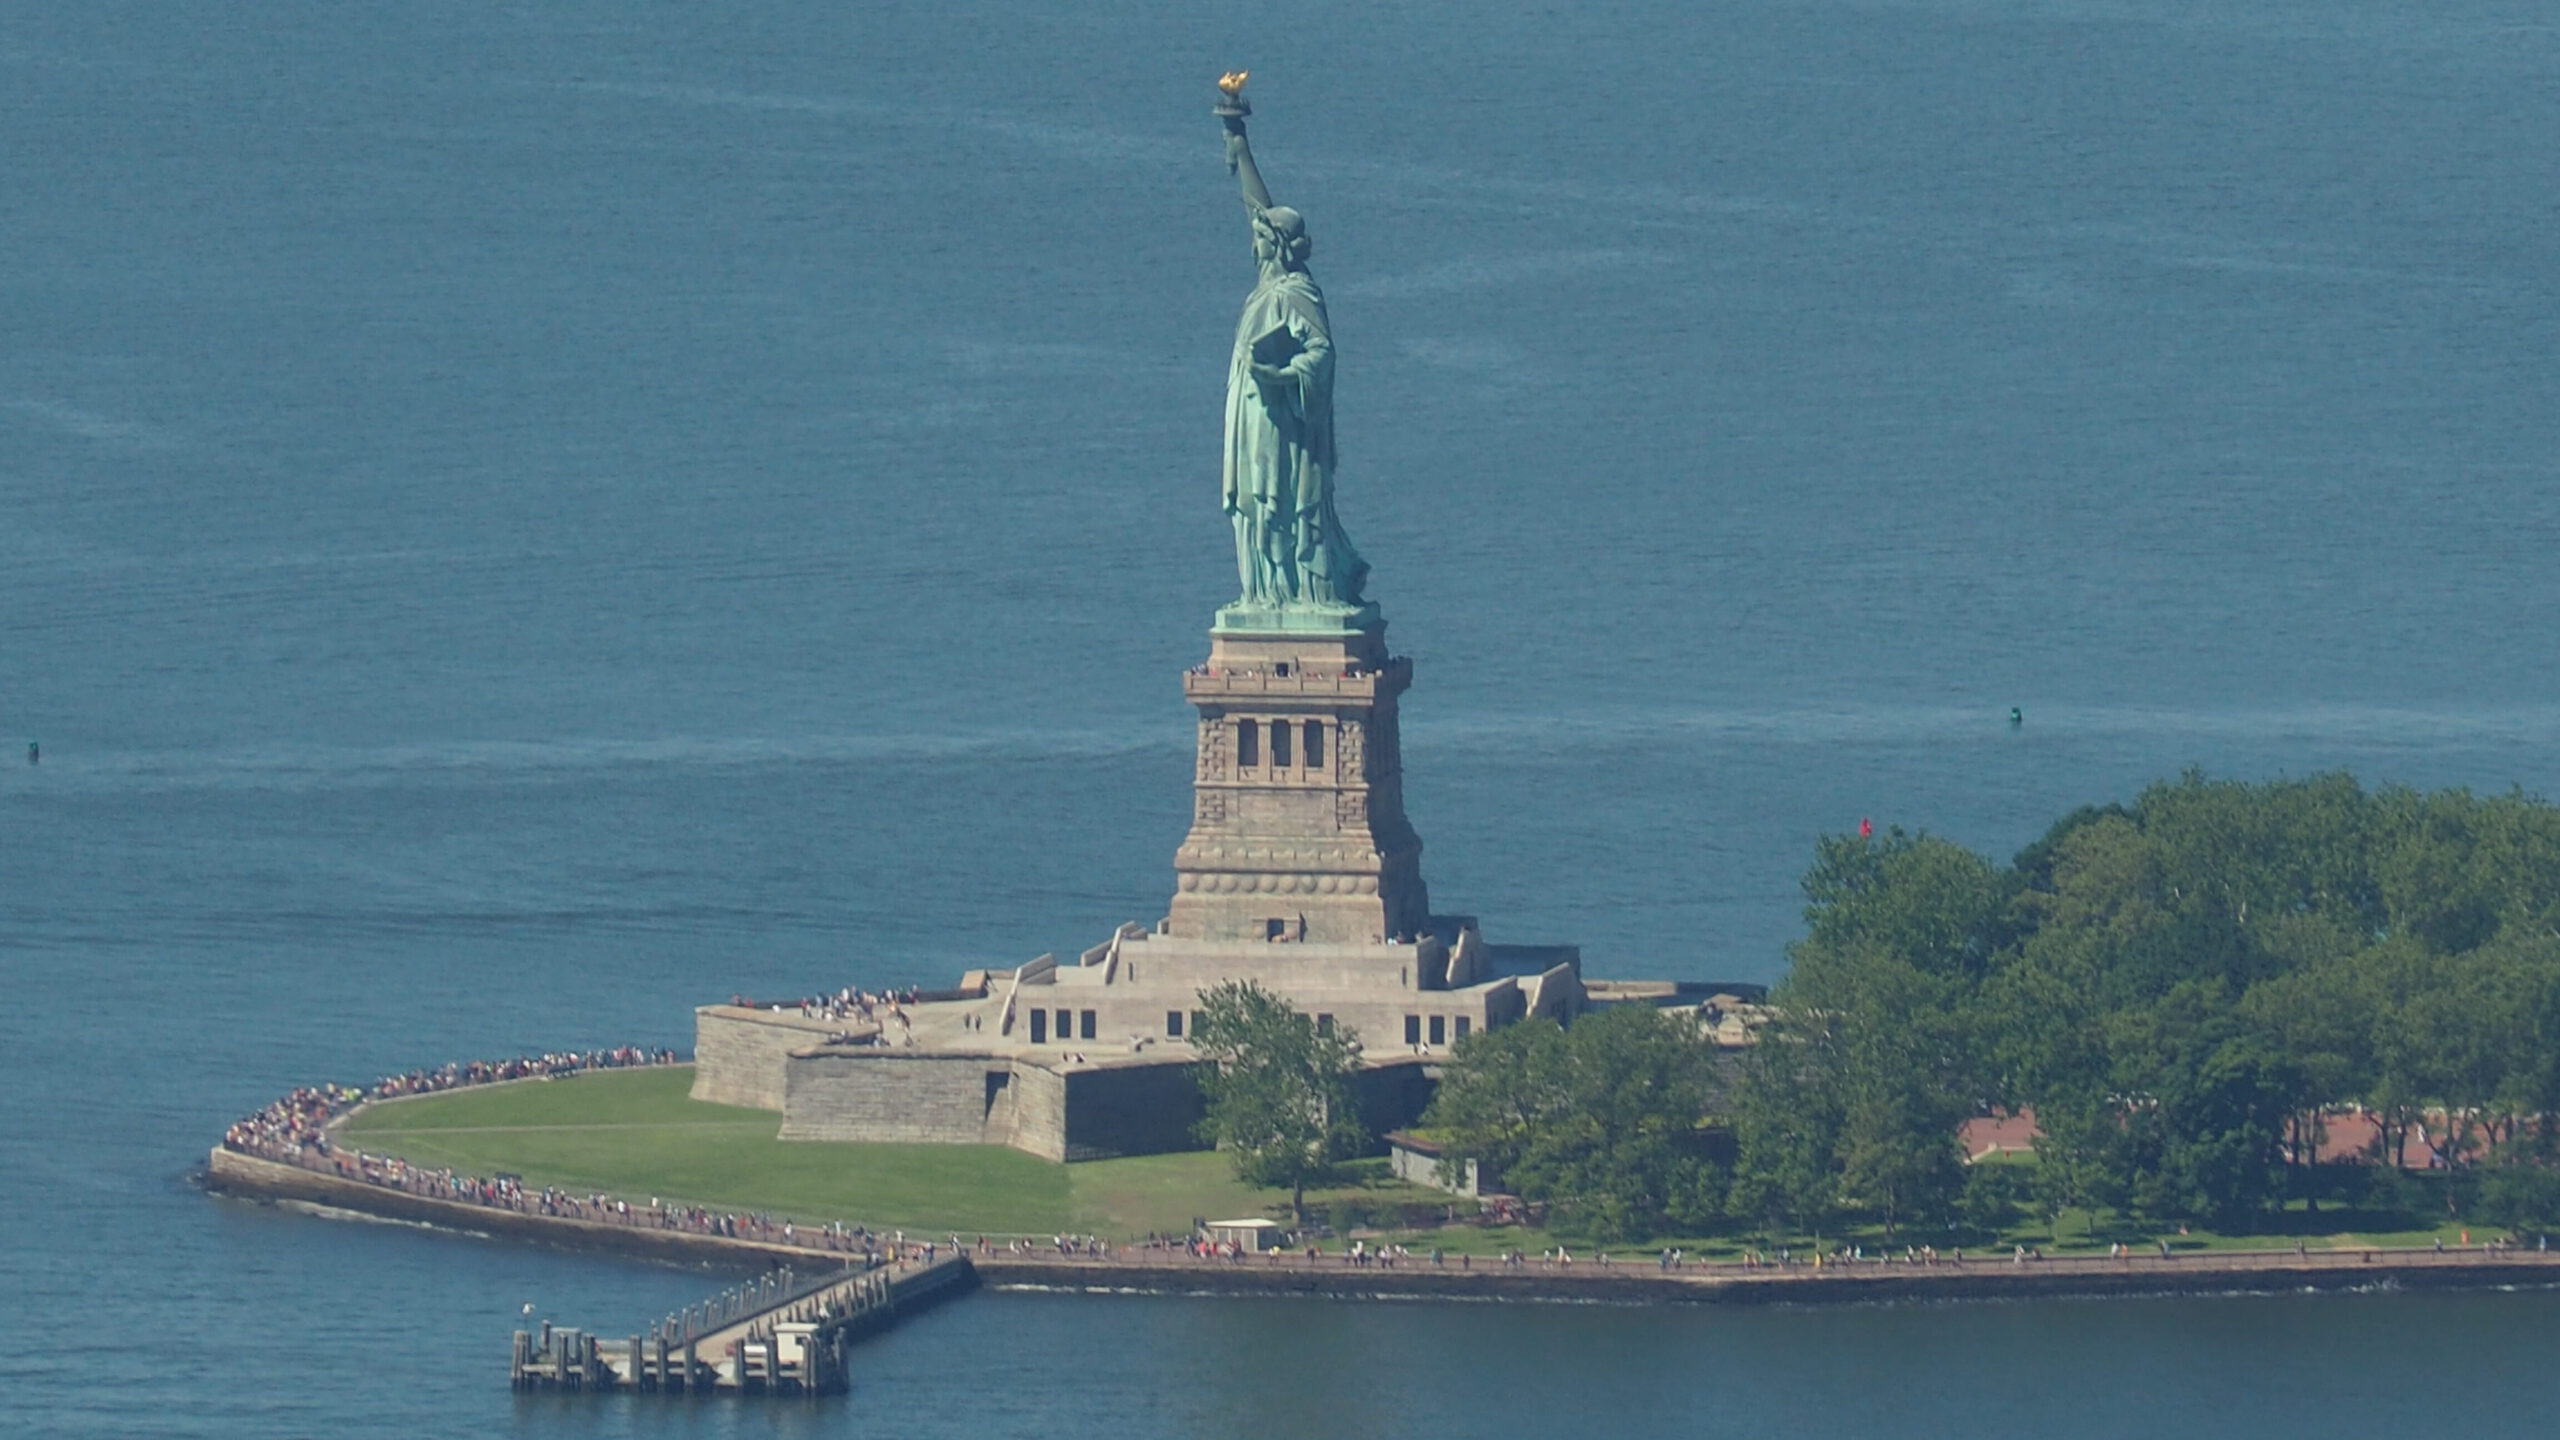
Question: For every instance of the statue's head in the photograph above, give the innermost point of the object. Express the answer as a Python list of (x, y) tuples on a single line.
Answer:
[(1280, 234)]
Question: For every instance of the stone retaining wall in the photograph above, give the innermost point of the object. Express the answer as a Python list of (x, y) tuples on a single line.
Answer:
[(1070, 1112), (739, 1055), (907, 1096), (1633, 1282), (1039, 1112), (228, 1172), (1638, 1283), (1127, 1110), (923, 1097)]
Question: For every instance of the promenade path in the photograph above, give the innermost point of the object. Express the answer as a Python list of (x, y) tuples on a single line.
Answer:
[(1634, 1279), (1647, 1271), (286, 1153), (835, 1290)]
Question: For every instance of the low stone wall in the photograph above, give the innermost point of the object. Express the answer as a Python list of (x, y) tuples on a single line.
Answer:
[(922, 1097), (739, 1054), (1635, 1282), (1393, 1095), (1129, 1110), (228, 1172), (1283, 1274), (1071, 1112), (907, 1096), (1039, 1112)]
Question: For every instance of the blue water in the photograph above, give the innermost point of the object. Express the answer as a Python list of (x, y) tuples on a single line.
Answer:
[(517, 519)]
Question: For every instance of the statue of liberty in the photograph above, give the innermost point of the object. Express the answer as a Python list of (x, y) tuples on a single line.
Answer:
[(1298, 569)]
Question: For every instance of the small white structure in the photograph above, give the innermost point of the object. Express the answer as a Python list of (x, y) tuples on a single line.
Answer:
[(1416, 1161), (1256, 1235), (791, 1341)]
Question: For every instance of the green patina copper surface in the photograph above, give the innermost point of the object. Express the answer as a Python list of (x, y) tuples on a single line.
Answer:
[(1297, 570)]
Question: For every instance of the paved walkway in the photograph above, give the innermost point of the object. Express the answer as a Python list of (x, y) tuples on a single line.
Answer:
[(1648, 1267), (293, 1134)]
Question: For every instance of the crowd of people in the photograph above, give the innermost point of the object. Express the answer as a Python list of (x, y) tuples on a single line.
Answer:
[(868, 1015), (295, 1130), (287, 1128), (849, 1003), (548, 1066)]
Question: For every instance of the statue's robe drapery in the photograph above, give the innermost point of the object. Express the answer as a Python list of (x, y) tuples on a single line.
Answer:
[(1290, 549)]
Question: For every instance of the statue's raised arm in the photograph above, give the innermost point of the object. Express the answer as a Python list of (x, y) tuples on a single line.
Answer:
[(1231, 113), (1295, 566)]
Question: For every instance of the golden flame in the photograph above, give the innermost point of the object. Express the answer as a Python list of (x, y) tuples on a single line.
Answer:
[(1233, 81)]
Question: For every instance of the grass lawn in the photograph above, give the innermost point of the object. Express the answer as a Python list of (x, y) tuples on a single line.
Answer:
[(2331, 1228), (655, 1096), (636, 1134), (2334, 1225)]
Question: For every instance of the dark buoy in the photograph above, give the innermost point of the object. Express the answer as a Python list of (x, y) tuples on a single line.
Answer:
[(2017, 717), (32, 753)]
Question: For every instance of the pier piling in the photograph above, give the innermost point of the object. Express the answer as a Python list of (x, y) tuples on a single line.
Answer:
[(773, 1335)]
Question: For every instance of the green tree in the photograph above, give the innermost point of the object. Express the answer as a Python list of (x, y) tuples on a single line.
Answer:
[(1278, 1092), (2181, 988), (1901, 1068), (1988, 1204), (1898, 1151), (2197, 1100), (1600, 1119), (1901, 932), (1928, 903), (2524, 1196), (2314, 1018), (1787, 1127), (1500, 1095)]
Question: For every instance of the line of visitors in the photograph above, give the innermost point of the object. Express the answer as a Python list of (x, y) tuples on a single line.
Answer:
[(301, 1117)]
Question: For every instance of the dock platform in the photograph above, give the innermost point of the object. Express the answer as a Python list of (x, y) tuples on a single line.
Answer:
[(779, 1334)]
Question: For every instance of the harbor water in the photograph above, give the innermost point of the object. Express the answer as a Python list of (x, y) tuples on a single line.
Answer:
[(516, 520)]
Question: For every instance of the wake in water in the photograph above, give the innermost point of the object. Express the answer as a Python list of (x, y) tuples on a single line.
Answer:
[(2311, 728), (2342, 726), (328, 768)]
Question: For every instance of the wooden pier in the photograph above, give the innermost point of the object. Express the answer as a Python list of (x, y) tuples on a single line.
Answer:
[(779, 1334)]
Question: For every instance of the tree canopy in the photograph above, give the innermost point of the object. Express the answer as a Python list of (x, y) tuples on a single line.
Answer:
[(2186, 989), (1601, 1119), (1277, 1090), (2179, 988)]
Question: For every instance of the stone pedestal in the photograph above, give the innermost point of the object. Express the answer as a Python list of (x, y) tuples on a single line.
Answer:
[(1298, 830)]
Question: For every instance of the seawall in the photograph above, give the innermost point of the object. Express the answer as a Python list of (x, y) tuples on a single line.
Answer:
[(1637, 1282), (228, 1172), (1642, 1284)]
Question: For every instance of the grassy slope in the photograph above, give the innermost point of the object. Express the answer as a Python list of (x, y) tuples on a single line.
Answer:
[(637, 1135), (623, 1097)]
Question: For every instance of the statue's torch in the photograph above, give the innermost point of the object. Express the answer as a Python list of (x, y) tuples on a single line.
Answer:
[(1231, 104), (1231, 110)]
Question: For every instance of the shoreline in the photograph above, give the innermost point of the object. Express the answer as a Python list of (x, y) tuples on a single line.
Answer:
[(239, 1176), (1641, 1282)]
